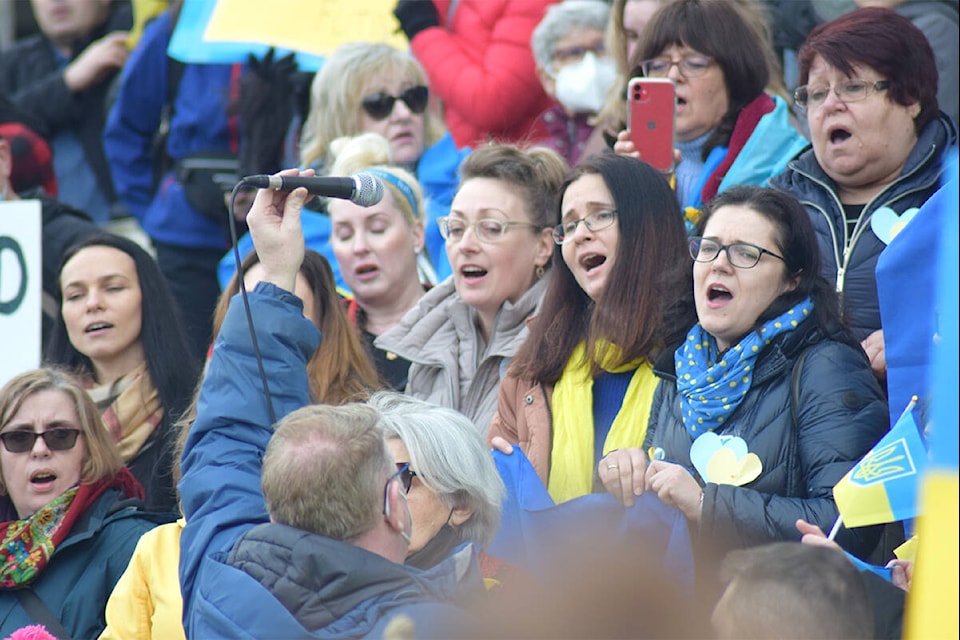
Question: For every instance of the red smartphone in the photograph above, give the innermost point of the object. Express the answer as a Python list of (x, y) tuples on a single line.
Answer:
[(650, 111)]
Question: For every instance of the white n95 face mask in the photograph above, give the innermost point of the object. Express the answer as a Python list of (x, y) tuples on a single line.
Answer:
[(582, 87)]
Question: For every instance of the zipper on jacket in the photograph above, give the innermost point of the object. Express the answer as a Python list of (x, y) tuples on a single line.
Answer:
[(842, 259)]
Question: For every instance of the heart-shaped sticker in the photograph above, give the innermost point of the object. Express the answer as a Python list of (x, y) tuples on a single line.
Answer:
[(707, 444), (725, 468), (886, 224)]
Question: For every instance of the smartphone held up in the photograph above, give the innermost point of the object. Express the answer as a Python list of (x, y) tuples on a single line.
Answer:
[(650, 113)]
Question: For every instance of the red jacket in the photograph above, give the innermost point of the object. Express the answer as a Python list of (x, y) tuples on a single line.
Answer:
[(481, 65)]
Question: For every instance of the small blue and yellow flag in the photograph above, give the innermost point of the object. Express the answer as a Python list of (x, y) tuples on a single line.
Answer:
[(882, 487)]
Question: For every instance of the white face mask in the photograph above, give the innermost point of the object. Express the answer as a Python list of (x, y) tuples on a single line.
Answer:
[(582, 87)]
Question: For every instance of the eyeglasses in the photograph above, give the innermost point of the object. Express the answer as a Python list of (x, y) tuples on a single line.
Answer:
[(574, 54), (405, 474), (488, 230), (741, 255), (851, 90), (380, 105), (689, 67), (593, 222), (21, 440)]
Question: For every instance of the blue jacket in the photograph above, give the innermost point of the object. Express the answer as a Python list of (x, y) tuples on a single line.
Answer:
[(851, 260), (437, 175), (224, 593), (84, 568), (199, 124)]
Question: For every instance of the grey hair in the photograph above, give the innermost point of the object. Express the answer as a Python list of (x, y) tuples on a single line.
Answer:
[(562, 18), (450, 458)]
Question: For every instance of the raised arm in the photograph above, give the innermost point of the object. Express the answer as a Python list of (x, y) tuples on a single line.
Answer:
[(220, 489)]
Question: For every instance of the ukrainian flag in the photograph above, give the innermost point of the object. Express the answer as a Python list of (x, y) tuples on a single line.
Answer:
[(932, 610), (882, 487)]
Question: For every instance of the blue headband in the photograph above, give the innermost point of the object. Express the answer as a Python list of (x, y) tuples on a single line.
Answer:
[(402, 186)]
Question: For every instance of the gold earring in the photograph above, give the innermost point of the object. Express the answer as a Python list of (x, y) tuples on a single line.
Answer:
[(540, 271)]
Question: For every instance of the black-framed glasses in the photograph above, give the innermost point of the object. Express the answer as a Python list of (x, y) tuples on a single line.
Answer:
[(405, 474), (22, 440), (741, 255), (488, 230), (689, 66), (380, 105), (594, 221), (850, 90)]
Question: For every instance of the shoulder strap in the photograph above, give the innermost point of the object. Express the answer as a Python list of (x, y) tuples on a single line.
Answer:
[(792, 482), (40, 613)]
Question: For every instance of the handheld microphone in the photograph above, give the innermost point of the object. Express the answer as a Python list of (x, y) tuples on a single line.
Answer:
[(363, 188)]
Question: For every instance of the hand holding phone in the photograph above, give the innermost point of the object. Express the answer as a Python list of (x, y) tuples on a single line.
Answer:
[(650, 113)]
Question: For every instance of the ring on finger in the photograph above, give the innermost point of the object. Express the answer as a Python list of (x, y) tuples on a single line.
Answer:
[(612, 466)]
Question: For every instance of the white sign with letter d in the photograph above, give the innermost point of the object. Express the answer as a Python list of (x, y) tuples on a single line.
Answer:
[(20, 287)]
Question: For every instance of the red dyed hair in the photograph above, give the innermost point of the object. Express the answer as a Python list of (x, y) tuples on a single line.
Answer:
[(886, 42)]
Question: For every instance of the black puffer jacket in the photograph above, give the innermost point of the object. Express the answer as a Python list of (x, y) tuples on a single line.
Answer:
[(851, 260), (841, 415), (31, 79)]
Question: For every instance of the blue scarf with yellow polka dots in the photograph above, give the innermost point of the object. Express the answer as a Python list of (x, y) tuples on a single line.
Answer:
[(711, 384)]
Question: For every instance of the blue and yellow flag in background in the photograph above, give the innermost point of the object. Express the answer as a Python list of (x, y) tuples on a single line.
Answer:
[(932, 610), (882, 487)]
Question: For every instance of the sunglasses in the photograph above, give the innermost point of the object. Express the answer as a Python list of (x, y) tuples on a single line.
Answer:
[(21, 441), (405, 474), (380, 105)]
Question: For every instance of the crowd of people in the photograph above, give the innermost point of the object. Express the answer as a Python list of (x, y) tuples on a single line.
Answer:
[(268, 414)]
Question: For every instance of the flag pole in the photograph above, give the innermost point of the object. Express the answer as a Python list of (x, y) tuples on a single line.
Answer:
[(836, 528)]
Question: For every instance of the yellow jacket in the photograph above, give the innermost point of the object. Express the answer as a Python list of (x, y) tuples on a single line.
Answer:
[(146, 602)]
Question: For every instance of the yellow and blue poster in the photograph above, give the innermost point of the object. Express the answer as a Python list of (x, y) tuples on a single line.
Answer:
[(228, 31)]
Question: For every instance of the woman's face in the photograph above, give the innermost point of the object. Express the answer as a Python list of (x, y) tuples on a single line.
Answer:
[(702, 101), (590, 255), (301, 289), (729, 300), (487, 274), (427, 512), (403, 129), (102, 309), (861, 145), (376, 249), (636, 15), (34, 478)]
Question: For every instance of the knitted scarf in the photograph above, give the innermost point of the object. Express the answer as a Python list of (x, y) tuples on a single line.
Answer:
[(572, 454)]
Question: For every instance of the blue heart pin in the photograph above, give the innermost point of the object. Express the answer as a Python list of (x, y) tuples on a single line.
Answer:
[(886, 224)]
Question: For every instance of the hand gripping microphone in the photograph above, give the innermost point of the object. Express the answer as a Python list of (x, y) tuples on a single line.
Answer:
[(363, 188)]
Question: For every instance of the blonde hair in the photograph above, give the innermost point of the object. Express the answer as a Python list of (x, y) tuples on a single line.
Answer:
[(337, 92), (324, 470), (372, 151), (102, 459)]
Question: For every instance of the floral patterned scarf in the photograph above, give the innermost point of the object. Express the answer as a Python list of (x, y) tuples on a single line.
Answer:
[(26, 546)]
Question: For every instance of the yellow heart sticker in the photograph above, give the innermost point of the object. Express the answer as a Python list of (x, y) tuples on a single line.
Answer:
[(724, 468)]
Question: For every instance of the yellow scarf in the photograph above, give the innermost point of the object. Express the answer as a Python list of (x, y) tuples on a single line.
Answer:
[(572, 455)]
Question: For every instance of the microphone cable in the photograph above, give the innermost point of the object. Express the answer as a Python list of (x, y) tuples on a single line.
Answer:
[(246, 303)]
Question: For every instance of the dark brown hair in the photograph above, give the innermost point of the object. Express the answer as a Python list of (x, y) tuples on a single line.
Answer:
[(722, 30), (643, 307)]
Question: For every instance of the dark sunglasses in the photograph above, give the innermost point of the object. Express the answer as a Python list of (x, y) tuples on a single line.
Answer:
[(405, 473), (21, 441), (380, 105)]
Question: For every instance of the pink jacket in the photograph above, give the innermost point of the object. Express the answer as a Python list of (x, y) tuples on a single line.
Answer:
[(481, 66)]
